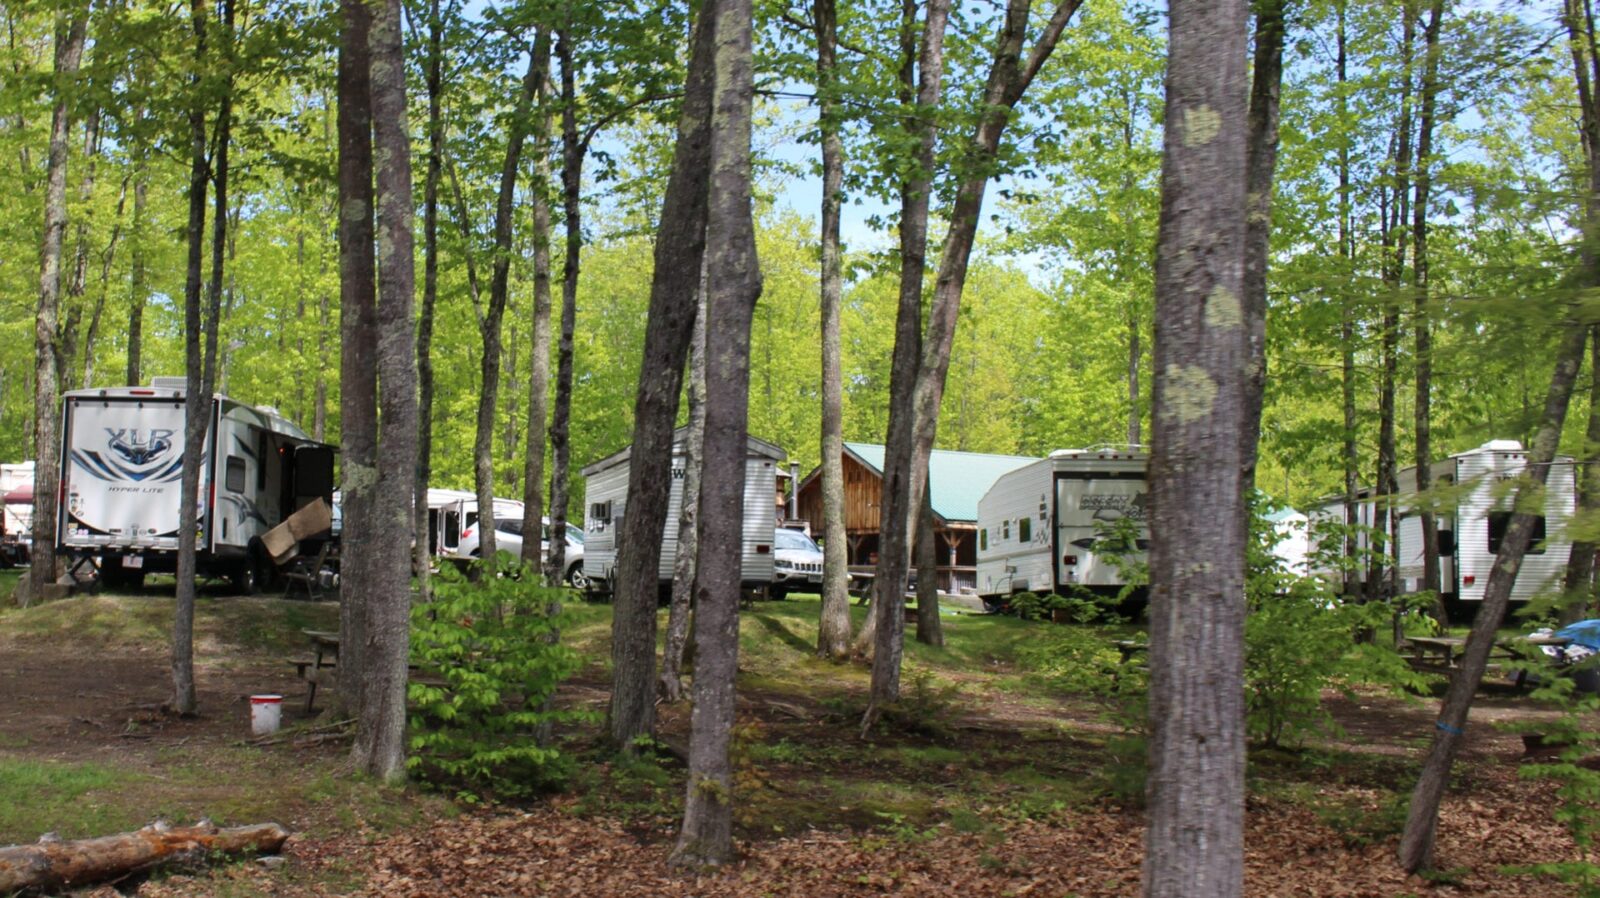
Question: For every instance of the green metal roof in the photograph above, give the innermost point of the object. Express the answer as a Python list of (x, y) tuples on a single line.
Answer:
[(957, 479)]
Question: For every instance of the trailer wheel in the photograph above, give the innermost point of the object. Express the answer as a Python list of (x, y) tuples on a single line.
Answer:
[(244, 577)]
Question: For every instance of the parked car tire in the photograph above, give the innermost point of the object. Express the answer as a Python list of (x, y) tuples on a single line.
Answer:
[(575, 577)]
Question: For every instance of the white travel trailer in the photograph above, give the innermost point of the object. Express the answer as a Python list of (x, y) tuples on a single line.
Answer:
[(607, 496), (16, 512), (1039, 525), (121, 471), (1474, 520)]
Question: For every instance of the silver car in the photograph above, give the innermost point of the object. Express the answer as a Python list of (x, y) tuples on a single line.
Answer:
[(508, 538)]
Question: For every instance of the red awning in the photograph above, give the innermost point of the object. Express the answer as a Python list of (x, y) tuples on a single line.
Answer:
[(22, 495)]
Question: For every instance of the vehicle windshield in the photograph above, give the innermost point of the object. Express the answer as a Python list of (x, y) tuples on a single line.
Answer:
[(793, 539), (574, 534)]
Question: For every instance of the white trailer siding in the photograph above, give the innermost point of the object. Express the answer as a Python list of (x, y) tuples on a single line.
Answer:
[(606, 493), (122, 462), (1478, 485), (1038, 525)]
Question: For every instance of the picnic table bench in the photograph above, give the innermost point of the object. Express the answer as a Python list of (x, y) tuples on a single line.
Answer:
[(1443, 654)]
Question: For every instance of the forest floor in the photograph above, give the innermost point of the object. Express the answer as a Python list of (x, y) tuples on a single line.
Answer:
[(992, 782)]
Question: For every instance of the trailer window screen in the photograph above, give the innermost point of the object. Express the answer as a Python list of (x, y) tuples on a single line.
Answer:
[(234, 476), (600, 512), (1500, 522), (1024, 529)]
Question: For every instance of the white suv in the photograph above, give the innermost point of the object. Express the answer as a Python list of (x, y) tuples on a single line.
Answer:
[(796, 563), (508, 538)]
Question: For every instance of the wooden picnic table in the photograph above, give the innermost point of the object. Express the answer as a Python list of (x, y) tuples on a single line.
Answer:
[(325, 656), (1443, 654)]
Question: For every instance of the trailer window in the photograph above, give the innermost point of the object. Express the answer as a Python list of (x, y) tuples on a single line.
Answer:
[(1500, 522), (1005, 529), (234, 476), (983, 539), (1024, 529), (600, 513)]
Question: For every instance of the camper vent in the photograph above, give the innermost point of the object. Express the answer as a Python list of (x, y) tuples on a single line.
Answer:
[(169, 383)]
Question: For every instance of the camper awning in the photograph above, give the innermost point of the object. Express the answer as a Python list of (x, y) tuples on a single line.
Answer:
[(22, 495)]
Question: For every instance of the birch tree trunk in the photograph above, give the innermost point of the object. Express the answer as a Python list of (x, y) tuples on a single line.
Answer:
[(1579, 582), (499, 292), (925, 69), (70, 28), (380, 727), (670, 686), (1266, 88), (1422, 820), (539, 362), (138, 288), (358, 358), (1009, 77), (433, 83), (202, 372), (833, 626), (733, 279), (1421, 325), (679, 253), (1385, 576), (930, 631), (1203, 380), (571, 202)]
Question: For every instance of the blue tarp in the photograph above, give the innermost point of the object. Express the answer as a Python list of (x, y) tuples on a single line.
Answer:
[(1584, 632)]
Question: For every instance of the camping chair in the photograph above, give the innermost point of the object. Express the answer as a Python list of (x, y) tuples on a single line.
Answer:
[(306, 572)]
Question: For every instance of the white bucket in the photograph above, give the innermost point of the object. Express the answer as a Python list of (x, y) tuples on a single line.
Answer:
[(265, 713)]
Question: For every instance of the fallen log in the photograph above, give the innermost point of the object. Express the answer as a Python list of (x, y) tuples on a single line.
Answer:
[(52, 863)]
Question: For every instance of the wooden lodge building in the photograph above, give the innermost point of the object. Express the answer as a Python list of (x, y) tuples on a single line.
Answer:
[(956, 480)]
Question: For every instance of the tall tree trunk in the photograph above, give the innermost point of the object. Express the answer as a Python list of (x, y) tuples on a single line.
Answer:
[(1135, 418), (1009, 77), (1421, 324), (572, 152), (358, 358), (930, 631), (539, 364), (202, 372), (833, 626), (733, 279), (1203, 385), (684, 565), (139, 288), (1347, 318), (380, 727), (1579, 582), (70, 28), (679, 253), (433, 85), (1266, 88), (107, 257), (925, 69), (78, 284), (1385, 576), (1422, 821), (499, 292)]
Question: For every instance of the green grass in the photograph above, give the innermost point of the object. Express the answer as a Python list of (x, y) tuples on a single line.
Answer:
[(255, 626), (72, 800)]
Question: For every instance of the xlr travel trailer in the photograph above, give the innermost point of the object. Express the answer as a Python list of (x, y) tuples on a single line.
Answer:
[(122, 465), (1042, 527)]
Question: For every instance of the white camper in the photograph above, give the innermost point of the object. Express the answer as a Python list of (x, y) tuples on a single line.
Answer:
[(1471, 526), (606, 493), (16, 512), (1039, 525), (121, 471)]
